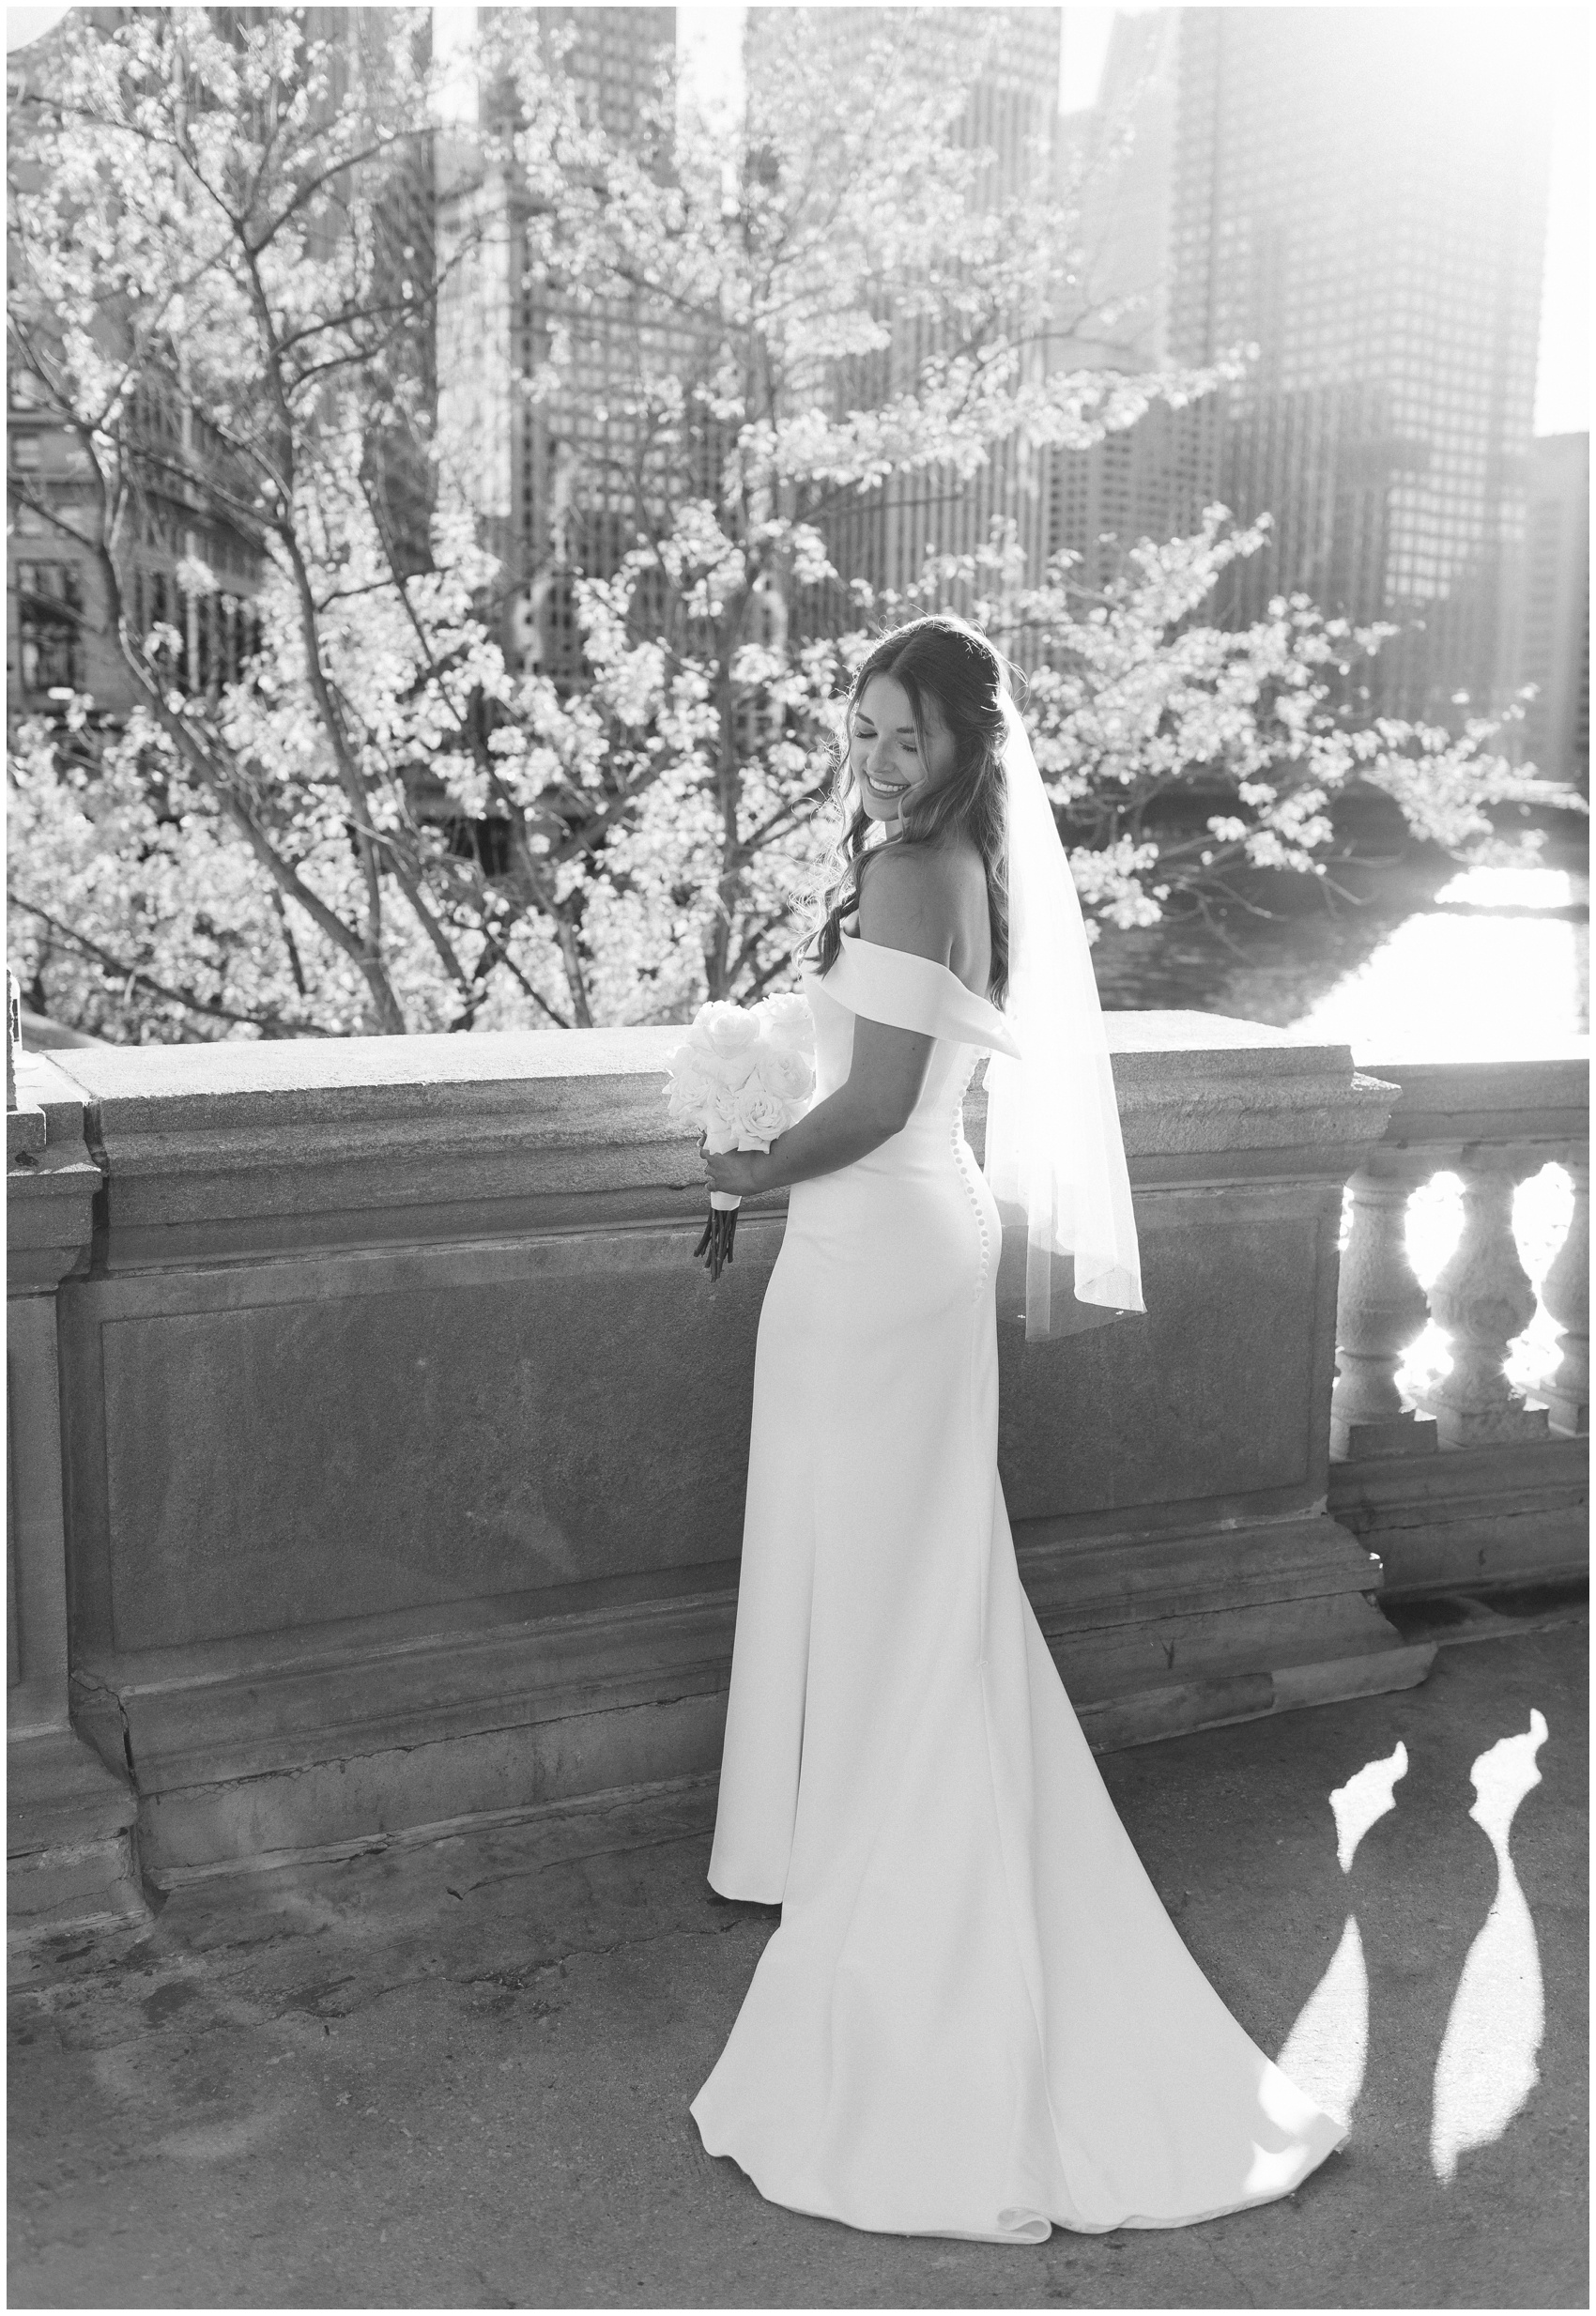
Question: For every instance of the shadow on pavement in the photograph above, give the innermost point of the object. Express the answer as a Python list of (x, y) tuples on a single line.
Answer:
[(458, 2074)]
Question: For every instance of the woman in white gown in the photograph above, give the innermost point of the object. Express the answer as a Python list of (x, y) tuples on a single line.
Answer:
[(976, 2019)]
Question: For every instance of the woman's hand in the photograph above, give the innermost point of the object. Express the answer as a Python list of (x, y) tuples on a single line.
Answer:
[(740, 1172)]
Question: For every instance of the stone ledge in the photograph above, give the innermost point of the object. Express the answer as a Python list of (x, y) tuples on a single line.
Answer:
[(241, 1759), (24, 1132), (1466, 1519), (51, 1181), (48, 1221), (43, 1084), (209, 1150), (68, 1833), (1517, 1099), (1182, 1708)]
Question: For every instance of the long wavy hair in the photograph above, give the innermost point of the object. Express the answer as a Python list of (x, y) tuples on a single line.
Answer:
[(942, 659)]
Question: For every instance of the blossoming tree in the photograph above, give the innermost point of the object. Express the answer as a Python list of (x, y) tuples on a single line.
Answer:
[(820, 309)]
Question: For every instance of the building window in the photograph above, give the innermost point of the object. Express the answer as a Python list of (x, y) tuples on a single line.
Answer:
[(486, 842), (50, 627)]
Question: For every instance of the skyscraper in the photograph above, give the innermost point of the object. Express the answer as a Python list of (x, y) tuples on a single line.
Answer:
[(1011, 113), (395, 462), (1153, 480), (1149, 480), (546, 478), (552, 480), (1119, 155), (1362, 193)]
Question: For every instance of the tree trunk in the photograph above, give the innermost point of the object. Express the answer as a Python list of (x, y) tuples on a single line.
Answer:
[(729, 788), (570, 951)]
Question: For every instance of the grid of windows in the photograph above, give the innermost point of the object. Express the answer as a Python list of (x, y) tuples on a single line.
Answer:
[(50, 609), (1370, 212), (1012, 108), (1150, 481), (553, 481)]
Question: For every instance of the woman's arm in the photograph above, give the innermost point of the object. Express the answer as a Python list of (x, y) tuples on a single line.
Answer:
[(847, 1124), (906, 903)]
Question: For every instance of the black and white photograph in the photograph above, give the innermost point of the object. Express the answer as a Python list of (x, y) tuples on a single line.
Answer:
[(798, 1156)]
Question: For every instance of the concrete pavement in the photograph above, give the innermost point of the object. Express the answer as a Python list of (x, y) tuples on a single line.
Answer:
[(456, 2074)]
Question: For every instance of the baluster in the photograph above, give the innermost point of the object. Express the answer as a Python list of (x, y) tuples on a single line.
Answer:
[(1480, 1301), (1566, 1292), (1380, 1308)]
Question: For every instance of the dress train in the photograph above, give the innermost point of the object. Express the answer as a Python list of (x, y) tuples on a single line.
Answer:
[(976, 2019)]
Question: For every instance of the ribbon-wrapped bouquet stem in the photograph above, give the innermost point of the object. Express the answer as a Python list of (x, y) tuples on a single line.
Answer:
[(743, 1076)]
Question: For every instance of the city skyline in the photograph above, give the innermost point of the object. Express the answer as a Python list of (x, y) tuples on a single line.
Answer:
[(1375, 278), (1562, 380), (1371, 215), (1563, 366)]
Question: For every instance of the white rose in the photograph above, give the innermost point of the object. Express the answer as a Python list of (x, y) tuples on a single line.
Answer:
[(690, 1082), (728, 1038), (760, 1117), (721, 1117), (787, 1073), (787, 1020)]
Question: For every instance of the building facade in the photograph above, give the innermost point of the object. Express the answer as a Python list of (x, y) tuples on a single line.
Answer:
[(1150, 481), (553, 480), (1554, 629), (1012, 115), (549, 477), (396, 464), (1116, 161), (61, 633), (1359, 197), (1361, 194), (61, 628)]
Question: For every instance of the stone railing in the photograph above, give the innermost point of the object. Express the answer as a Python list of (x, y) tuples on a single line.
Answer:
[(380, 1449), (70, 1816), (1464, 1480)]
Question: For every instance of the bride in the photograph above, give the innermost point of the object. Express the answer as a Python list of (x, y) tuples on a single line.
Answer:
[(976, 2019)]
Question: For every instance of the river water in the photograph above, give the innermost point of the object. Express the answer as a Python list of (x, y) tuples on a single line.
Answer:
[(1411, 956)]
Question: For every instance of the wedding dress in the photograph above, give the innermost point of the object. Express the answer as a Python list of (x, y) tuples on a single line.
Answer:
[(976, 2019)]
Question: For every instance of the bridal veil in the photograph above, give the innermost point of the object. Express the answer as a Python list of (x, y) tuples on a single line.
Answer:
[(1054, 1153)]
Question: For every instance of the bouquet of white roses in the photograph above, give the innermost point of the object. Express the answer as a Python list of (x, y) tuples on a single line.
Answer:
[(743, 1077)]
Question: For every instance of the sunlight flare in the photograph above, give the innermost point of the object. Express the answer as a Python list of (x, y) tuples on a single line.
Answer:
[(1455, 987)]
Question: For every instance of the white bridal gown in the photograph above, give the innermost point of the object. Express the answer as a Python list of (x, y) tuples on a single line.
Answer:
[(976, 2017)]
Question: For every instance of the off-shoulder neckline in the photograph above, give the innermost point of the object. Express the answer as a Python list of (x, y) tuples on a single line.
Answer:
[(974, 995)]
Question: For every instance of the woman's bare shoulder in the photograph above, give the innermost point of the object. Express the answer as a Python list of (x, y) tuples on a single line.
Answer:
[(965, 909), (965, 861), (911, 900), (954, 859)]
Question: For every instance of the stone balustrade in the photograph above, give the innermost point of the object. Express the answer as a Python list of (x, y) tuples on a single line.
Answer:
[(1465, 1479), (382, 1447), (70, 1813)]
